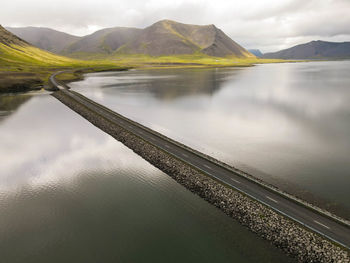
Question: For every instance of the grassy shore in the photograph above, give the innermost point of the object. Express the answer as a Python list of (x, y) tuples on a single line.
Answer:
[(198, 60)]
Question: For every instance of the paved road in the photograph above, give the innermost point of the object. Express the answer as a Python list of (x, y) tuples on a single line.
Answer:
[(323, 225)]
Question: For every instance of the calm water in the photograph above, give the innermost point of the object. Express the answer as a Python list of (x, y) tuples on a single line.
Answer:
[(70, 193), (286, 123)]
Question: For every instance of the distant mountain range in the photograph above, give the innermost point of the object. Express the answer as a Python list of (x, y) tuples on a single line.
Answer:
[(103, 41), (168, 37), (165, 37), (256, 52), (44, 38), (313, 50)]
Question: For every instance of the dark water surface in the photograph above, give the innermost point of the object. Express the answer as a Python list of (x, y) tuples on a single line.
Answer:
[(70, 193), (288, 124)]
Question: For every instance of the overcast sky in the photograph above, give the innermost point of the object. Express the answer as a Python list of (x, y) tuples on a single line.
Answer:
[(265, 24)]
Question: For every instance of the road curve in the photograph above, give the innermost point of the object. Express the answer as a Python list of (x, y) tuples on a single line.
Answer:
[(309, 218)]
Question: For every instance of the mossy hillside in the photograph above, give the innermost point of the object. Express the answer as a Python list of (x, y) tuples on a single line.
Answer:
[(25, 67), (15, 56)]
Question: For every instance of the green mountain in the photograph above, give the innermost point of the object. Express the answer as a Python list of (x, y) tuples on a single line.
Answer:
[(44, 38), (103, 41), (162, 38), (172, 38), (314, 50)]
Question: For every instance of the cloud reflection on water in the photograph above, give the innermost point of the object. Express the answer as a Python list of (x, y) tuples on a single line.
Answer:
[(287, 122), (39, 148)]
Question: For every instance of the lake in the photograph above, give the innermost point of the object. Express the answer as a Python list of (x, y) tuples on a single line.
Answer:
[(288, 124), (71, 193)]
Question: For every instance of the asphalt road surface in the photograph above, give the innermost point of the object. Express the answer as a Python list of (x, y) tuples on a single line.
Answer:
[(309, 218)]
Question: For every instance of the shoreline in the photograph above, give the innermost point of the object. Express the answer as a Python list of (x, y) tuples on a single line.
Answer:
[(37, 77)]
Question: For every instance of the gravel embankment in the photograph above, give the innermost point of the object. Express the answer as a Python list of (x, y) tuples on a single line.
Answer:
[(292, 238)]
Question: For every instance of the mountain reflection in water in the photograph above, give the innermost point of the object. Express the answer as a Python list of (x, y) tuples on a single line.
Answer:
[(288, 124)]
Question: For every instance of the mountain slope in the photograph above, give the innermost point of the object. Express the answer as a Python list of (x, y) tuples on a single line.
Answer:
[(8, 39), (103, 41), (17, 52), (44, 38), (256, 52), (171, 38), (313, 50)]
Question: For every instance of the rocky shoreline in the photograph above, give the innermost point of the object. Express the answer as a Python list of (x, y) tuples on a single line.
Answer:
[(289, 236)]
